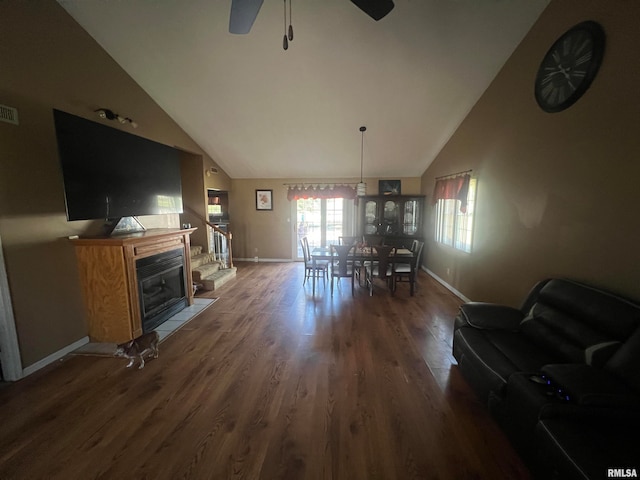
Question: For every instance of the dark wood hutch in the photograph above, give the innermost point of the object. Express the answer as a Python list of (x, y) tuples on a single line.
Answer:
[(392, 219)]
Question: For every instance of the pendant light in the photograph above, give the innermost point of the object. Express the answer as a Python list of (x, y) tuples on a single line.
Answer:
[(361, 188), (290, 25), (285, 40), (288, 33)]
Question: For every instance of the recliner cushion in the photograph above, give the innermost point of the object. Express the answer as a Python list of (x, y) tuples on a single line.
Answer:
[(556, 331), (579, 322), (525, 355), (489, 316), (593, 307), (499, 354)]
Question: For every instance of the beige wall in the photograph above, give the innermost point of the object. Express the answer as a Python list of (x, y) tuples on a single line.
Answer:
[(48, 62), (195, 183), (556, 192), (271, 232)]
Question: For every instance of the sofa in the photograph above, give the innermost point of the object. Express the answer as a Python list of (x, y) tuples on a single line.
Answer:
[(561, 376)]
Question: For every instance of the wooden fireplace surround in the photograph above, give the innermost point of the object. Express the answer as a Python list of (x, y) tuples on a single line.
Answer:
[(107, 268)]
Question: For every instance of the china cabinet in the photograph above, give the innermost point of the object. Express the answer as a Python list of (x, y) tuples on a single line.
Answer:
[(394, 219)]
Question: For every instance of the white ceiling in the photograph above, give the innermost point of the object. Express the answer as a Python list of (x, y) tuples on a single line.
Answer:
[(262, 112)]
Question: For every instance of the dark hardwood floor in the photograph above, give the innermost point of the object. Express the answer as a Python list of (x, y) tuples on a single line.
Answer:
[(267, 383)]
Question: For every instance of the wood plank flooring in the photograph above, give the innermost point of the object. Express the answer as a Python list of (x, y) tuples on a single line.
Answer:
[(268, 383)]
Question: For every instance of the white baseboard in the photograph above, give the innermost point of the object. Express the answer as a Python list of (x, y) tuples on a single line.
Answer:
[(54, 356), (446, 285), (263, 260)]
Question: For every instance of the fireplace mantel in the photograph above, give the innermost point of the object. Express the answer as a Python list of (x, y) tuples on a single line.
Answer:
[(107, 267)]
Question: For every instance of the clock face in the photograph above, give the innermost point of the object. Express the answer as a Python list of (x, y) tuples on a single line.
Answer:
[(569, 67)]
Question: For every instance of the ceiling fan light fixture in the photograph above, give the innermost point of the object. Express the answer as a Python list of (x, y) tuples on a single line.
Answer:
[(376, 9), (243, 14)]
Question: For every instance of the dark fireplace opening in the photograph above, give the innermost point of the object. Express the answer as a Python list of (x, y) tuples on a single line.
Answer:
[(161, 287)]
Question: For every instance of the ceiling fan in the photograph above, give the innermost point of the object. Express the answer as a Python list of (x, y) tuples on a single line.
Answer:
[(244, 12)]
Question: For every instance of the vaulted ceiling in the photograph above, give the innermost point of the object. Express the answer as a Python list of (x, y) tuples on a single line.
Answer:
[(262, 112)]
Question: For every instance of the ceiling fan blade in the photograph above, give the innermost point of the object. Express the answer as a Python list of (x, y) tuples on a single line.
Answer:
[(376, 9), (243, 14)]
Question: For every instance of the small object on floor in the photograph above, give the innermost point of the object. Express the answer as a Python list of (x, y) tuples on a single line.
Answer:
[(138, 348)]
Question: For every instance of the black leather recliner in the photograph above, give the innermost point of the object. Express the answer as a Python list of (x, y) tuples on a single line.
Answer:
[(547, 371)]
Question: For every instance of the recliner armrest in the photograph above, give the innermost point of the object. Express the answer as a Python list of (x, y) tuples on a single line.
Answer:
[(592, 387), (489, 316)]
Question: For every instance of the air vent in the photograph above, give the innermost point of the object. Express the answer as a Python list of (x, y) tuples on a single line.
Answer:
[(212, 171), (9, 114)]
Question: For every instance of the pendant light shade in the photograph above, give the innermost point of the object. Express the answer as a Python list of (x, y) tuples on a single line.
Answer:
[(361, 188), (285, 40), (288, 33)]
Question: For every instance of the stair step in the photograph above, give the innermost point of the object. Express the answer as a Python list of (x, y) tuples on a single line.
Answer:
[(207, 272), (201, 259), (204, 271), (217, 279)]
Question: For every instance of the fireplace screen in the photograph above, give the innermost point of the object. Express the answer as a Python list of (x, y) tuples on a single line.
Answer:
[(161, 287)]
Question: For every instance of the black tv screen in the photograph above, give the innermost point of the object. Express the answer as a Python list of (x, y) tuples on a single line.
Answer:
[(109, 173)]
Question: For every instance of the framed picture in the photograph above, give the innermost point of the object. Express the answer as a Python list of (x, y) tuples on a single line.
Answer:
[(389, 187), (264, 199)]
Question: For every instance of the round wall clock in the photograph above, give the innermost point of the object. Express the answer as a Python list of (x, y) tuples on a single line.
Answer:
[(569, 67)]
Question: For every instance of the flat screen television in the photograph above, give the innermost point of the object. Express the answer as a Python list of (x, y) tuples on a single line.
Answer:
[(109, 173)]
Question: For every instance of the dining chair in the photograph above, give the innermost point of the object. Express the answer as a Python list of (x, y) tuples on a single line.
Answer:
[(381, 266), (321, 267), (408, 271), (341, 266), (352, 240)]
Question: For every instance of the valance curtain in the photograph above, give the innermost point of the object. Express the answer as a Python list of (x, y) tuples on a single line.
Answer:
[(456, 188), (297, 192)]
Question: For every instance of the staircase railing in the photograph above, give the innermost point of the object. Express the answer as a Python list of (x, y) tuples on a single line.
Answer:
[(220, 244)]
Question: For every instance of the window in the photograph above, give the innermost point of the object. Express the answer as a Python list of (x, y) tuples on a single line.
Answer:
[(323, 221), (214, 210), (454, 228)]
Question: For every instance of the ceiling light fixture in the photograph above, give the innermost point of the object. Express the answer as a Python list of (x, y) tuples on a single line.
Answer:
[(361, 188), (288, 35), (111, 115)]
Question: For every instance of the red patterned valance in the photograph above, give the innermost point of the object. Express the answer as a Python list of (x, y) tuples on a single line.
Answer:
[(297, 192), (456, 188)]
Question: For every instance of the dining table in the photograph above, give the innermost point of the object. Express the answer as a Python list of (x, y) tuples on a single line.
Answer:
[(360, 254)]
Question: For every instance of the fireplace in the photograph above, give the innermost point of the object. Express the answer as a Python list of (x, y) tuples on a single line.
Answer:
[(161, 287)]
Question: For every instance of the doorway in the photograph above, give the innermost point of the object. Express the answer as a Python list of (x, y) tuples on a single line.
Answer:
[(322, 221), (217, 206)]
